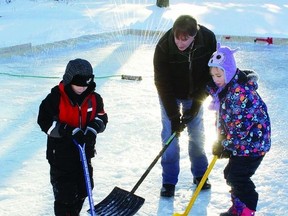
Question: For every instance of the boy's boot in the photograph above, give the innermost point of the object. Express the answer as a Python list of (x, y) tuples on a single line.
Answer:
[(248, 212)]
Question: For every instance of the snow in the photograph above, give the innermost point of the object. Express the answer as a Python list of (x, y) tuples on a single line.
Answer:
[(132, 139)]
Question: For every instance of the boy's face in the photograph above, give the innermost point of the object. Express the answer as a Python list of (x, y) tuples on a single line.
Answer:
[(78, 89), (217, 76)]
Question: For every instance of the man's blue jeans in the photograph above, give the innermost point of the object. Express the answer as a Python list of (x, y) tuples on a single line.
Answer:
[(171, 157)]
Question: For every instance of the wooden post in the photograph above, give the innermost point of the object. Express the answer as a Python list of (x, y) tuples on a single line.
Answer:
[(162, 3)]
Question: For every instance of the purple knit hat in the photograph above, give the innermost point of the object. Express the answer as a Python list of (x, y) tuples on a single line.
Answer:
[(223, 58)]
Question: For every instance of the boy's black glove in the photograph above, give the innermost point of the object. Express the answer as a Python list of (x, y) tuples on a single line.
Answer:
[(97, 124), (90, 136), (74, 133), (191, 113), (218, 150), (93, 127)]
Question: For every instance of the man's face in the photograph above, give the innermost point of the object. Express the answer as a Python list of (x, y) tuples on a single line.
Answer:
[(183, 41)]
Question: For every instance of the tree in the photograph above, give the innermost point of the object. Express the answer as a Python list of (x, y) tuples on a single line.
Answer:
[(162, 3)]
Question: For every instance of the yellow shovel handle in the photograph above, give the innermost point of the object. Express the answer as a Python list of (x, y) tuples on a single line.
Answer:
[(198, 189)]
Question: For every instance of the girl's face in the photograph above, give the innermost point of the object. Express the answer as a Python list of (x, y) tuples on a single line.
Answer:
[(79, 89), (217, 76), (183, 42)]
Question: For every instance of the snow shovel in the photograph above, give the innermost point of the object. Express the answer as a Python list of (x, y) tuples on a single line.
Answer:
[(86, 175), (121, 202), (198, 189)]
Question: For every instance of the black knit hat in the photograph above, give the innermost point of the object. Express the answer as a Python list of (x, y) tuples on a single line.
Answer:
[(78, 72)]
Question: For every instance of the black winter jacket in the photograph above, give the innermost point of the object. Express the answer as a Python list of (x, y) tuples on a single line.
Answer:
[(172, 76), (62, 148)]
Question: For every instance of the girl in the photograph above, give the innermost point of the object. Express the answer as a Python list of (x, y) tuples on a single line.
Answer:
[(243, 125)]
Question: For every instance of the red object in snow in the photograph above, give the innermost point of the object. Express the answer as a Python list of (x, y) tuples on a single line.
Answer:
[(269, 40)]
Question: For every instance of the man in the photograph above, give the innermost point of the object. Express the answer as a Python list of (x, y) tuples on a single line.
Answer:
[(181, 74)]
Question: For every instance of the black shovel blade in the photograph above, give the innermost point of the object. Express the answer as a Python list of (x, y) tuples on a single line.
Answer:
[(119, 202)]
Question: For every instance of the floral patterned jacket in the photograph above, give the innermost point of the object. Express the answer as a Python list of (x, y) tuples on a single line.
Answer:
[(242, 121)]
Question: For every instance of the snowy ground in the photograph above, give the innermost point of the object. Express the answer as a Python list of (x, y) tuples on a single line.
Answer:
[(132, 138)]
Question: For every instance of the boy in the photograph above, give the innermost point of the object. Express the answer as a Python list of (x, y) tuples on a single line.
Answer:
[(71, 111)]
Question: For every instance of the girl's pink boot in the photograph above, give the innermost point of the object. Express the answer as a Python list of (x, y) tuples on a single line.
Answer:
[(247, 212)]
